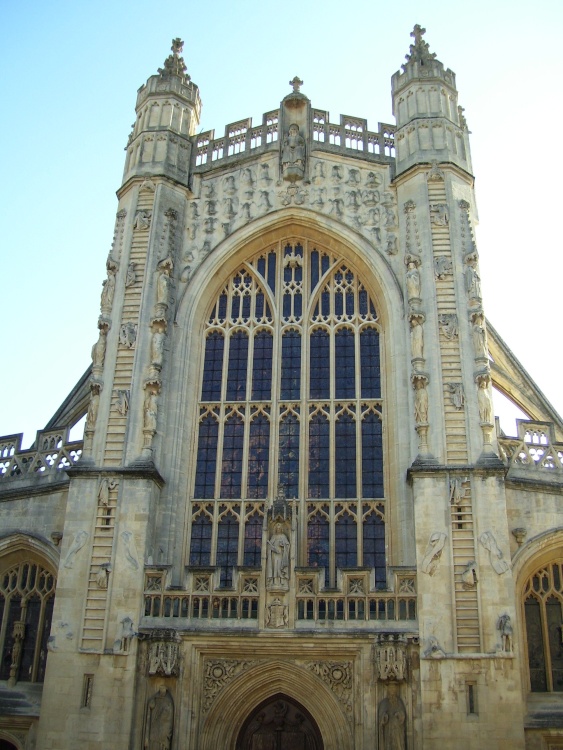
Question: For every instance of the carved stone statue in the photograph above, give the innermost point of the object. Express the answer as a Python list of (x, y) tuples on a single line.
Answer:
[(293, 155), (99, 349), (277, 562), (417, 336), (479, 335), (484, 401), (131, 276), (162, 286), (496, 558), (159, 722), (78, 543), (157, 347), (93, 406), (150, 411), (472, 279), (108, 290), (392, 718), (504, 624), (420, 401), (413, 278), (433, 552)]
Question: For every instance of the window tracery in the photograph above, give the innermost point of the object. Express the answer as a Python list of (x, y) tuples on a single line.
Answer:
[(27, 596), (543, 615), (290, 395)]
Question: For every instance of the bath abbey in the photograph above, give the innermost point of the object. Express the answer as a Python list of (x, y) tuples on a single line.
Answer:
[(293, 521)]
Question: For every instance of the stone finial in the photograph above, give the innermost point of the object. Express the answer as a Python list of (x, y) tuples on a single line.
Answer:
[(296, 83), (419, 51), (174, 64)]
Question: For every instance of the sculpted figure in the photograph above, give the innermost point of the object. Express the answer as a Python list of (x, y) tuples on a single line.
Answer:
[(484, 401), (392, 720), (293, 154), (479, 335), (277, 564), (420, 401), (472, 279), (504, 624), (159, 723), (157, 347), (108, 291), (162, 286), (131, 276), (417, 337), (496, 558), (150, 412), (99, 349), (433, 552), (413, 278), (93, 407), (78, 543)]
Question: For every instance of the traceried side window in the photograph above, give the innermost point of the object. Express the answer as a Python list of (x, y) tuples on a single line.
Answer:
[(290, 395), (27, 597), (543, 614)]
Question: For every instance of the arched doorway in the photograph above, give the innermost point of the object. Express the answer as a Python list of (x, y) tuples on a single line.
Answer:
[(280, 723), (6, 745)]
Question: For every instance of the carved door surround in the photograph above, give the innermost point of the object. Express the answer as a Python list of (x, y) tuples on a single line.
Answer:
[(279, 723)]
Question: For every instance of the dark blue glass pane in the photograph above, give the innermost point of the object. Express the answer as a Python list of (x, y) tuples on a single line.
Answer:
[(246, 308), (262, 366), (345, 369), (286, 305), (319, 456), (222, 312), (291, 366), (325, 263), (370, 367), (231, 468), (346, 539), (235, 307), (258, 457), (259, 305), (345, 457), (272, 271), (297, 305), (318, 541), (289, 456), (338, 303), (213, 368), (363, 300), (262, 266), (372, 457), (206, 458), (253, 541), (314, 269), (349, 303), (320, 365), (227, 548), (287, 274), (325, 304), (374, 547), (200, 546), (236, 374)]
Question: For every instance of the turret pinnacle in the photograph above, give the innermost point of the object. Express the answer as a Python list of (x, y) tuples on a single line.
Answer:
[(174, 64), (419, 51)]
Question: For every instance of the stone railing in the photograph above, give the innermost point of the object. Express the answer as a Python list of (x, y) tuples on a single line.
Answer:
[(384, 606), (201, 607), (51, 454), (350, 136), (534, 450)]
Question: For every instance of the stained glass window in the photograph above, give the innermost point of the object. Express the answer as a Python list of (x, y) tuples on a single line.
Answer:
[(543, 611)]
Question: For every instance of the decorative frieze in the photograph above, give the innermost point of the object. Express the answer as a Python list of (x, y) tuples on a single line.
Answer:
[(390, 657)]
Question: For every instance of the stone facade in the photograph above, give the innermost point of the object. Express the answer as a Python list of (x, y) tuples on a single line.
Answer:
[(292, 521)]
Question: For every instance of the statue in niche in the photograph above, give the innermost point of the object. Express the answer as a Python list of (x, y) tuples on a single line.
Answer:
[(479, 335), (131, 276), (472, 279), (420, 400), (99, 349), (106, 485), (150, 412), (159, 722), (157, 347), (93, 406), (163, 283), (142, 220), (417, 336), (504, 625), (392, 720), (498, 563), (457, 395), (277, 560), (293, 155), (433, 552), (102, 577), (128, 335), (108, 289), (318, 173), (122, 402), (484, 400), (413, 277)]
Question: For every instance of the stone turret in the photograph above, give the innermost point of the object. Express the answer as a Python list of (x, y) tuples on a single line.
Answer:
[(430, 123), (168, 111)]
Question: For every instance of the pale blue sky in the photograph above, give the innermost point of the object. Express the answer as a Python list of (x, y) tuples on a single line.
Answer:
[(70, 75)]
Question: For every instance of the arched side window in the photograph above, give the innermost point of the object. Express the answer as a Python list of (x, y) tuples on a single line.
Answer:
[(543, 614), (290, 395), (27, 596)]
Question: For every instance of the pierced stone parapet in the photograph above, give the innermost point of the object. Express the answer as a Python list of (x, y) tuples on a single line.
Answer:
[(50, 455), (534, 450)]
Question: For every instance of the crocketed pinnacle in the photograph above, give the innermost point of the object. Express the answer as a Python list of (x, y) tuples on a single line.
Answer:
[(174, 64), (419, 51)]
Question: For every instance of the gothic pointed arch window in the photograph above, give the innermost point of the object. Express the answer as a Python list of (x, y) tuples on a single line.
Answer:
[(290, 394), (543, 618), (27, 597)]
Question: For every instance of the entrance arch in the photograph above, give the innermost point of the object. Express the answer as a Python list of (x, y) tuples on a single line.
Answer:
[(280, 723)]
